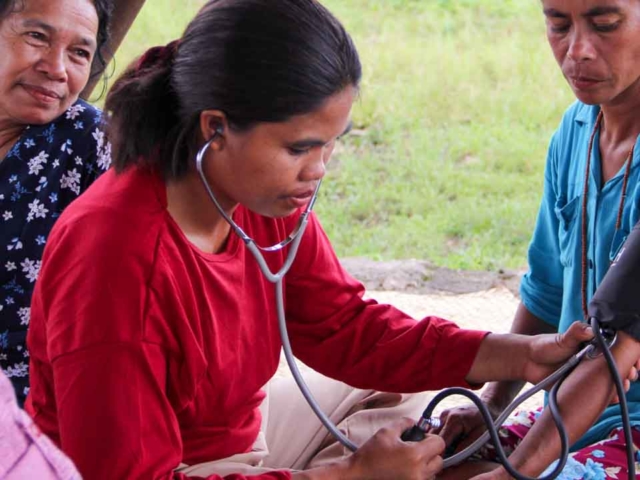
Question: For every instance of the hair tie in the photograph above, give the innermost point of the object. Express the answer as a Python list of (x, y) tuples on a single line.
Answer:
[(160, 55)]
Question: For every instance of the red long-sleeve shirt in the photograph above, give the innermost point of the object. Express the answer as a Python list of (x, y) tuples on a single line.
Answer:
[(146, 352)]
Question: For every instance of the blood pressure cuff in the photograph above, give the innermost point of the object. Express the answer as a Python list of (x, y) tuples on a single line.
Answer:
[(616, 303)]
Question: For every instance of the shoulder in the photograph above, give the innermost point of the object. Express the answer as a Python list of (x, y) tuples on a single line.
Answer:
[(75, 139), (120, 211)]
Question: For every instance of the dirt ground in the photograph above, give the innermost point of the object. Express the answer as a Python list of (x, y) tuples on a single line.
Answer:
[(475, 300), (421, 278)]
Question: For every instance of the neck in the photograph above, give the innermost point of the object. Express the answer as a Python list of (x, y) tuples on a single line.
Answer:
[(196, 215), (9, 134), (621, 120)]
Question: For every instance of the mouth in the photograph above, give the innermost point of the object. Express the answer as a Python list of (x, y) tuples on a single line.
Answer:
[(305, 195), (300, 198), (43, 95), (583, 82)]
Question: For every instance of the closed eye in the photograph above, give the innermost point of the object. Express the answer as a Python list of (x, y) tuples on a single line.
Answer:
[(609, 27), (558, 25), (298, 152)]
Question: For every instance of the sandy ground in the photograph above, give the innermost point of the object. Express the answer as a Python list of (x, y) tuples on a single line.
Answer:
[(475, 300)]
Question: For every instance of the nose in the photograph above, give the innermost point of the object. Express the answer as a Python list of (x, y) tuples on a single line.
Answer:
[(53, 65), (317, 166), (581, 48)]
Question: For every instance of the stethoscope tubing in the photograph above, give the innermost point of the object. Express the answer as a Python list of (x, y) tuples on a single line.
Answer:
[(294, 239)]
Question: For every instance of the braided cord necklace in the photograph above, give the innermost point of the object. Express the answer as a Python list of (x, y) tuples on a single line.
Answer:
[(585, 191)]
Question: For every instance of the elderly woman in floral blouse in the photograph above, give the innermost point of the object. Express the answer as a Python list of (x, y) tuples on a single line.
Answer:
[(51, 144)]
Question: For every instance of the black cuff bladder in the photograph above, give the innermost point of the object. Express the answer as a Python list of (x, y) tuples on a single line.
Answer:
[(616, 303)]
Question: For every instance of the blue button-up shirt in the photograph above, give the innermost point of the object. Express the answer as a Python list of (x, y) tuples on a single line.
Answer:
[(551, 290)]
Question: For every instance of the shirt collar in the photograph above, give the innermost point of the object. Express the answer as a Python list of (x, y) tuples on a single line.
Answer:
[(587, 114)]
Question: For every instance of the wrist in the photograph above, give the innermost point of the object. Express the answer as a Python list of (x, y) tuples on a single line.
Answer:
[(498, 395), (526, 362)]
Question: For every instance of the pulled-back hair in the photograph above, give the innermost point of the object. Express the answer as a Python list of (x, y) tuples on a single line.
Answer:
[(255, 60), (104, 9)]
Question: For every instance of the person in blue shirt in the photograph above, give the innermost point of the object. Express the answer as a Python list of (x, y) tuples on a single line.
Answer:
[(591, 201), (51, 144)]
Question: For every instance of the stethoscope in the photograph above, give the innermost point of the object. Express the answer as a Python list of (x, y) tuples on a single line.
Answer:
[(418, 432), (293, 240)]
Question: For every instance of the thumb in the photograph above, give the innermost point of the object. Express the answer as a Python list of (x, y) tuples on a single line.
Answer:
[(577, 333)]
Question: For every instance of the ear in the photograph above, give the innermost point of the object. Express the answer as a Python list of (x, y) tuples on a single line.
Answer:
[(213, 123)]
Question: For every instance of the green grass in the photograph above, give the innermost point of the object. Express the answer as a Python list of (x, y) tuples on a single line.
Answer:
[(459, 99)]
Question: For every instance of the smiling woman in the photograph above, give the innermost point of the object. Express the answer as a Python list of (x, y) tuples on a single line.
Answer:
[(51, 144)]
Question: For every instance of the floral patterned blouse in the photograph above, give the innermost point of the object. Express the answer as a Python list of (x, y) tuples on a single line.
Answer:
[(46, 169)]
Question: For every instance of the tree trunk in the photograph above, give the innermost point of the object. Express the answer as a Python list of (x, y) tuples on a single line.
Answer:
[(124, 13)]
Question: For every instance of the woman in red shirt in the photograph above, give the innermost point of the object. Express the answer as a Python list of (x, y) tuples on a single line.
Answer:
[(153, 331)]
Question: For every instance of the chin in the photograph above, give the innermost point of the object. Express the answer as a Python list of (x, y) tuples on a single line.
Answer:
[(273, 212), (590, 98), (281, 214)]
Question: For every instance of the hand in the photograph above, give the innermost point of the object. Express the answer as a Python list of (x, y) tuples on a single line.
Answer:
[(461, 426), (549, 351), (386, 457)]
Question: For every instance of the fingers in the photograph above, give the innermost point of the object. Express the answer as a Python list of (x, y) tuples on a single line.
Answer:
[(436, 463), (451, 430), (460, 423), (386, 456)]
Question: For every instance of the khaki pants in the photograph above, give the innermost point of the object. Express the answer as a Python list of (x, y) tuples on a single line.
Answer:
[(292, 438)]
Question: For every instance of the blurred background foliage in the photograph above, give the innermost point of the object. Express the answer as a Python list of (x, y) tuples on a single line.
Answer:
[(458, 102)]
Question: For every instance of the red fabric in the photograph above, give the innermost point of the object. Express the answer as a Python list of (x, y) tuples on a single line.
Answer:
[(146, 352)]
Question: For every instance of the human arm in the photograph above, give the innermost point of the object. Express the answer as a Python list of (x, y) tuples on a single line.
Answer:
[(464, 424), (337, 332), (542, 445), (376, 346)]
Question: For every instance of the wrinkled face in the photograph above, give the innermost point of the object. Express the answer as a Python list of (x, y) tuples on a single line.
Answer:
[(273, 168), (597, 45), (46, 50)]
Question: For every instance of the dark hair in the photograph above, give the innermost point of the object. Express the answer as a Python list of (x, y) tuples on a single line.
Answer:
[(103, 9), (255, 60)]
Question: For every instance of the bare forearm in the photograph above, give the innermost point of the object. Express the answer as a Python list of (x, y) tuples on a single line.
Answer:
[(579, 411), (498, 395), (500, 357)]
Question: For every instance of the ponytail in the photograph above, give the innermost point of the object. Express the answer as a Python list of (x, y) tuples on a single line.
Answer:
[(256, 61), (143, 124)]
